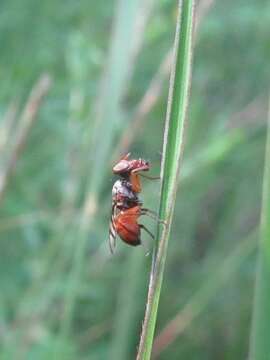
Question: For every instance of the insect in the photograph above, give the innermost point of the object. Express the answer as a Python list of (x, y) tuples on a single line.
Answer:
[(126, 205), (126, 210)]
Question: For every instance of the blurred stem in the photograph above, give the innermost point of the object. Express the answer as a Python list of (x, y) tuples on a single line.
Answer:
[(7, 125), (113, 88), (260, 345), (148, 101), (25, 124), (128, 306), (172, 155), (202, 10), (201, 299), (155, 88), (108, 119), (217, 150)]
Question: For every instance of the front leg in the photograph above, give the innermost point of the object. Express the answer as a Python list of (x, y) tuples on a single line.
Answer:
[(135, 182)]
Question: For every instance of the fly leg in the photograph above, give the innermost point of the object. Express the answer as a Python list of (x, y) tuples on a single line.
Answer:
[(150, 177), (135, 182), (150, 234), (153, 215), (148, 231), (143, 168)]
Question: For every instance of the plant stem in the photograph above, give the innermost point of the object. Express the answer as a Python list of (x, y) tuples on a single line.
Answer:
[(173, 146), (260, 345)]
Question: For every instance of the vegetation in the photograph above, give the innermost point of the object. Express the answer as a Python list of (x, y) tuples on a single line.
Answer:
[(81, 83), (173, 147), (259, 343)]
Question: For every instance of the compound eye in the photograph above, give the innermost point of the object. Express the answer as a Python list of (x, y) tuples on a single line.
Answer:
[(121, 167)]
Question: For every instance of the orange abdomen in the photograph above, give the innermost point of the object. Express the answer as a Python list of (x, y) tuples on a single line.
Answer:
[(127, 227)]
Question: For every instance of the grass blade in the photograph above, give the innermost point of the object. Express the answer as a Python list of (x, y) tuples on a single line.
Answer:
[(172, 153), (260, 345)]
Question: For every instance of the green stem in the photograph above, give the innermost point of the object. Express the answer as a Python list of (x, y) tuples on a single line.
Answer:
[(260, 345), (172, 154)]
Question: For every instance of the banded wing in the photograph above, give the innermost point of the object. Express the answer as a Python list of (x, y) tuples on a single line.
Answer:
[(112, 231)]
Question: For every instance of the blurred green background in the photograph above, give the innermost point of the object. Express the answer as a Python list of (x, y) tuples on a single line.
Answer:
[(63, 296)]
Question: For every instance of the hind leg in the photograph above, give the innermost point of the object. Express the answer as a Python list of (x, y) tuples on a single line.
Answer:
[(148, 231)]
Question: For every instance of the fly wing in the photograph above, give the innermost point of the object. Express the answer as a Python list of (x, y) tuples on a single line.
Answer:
[(112, 231)]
